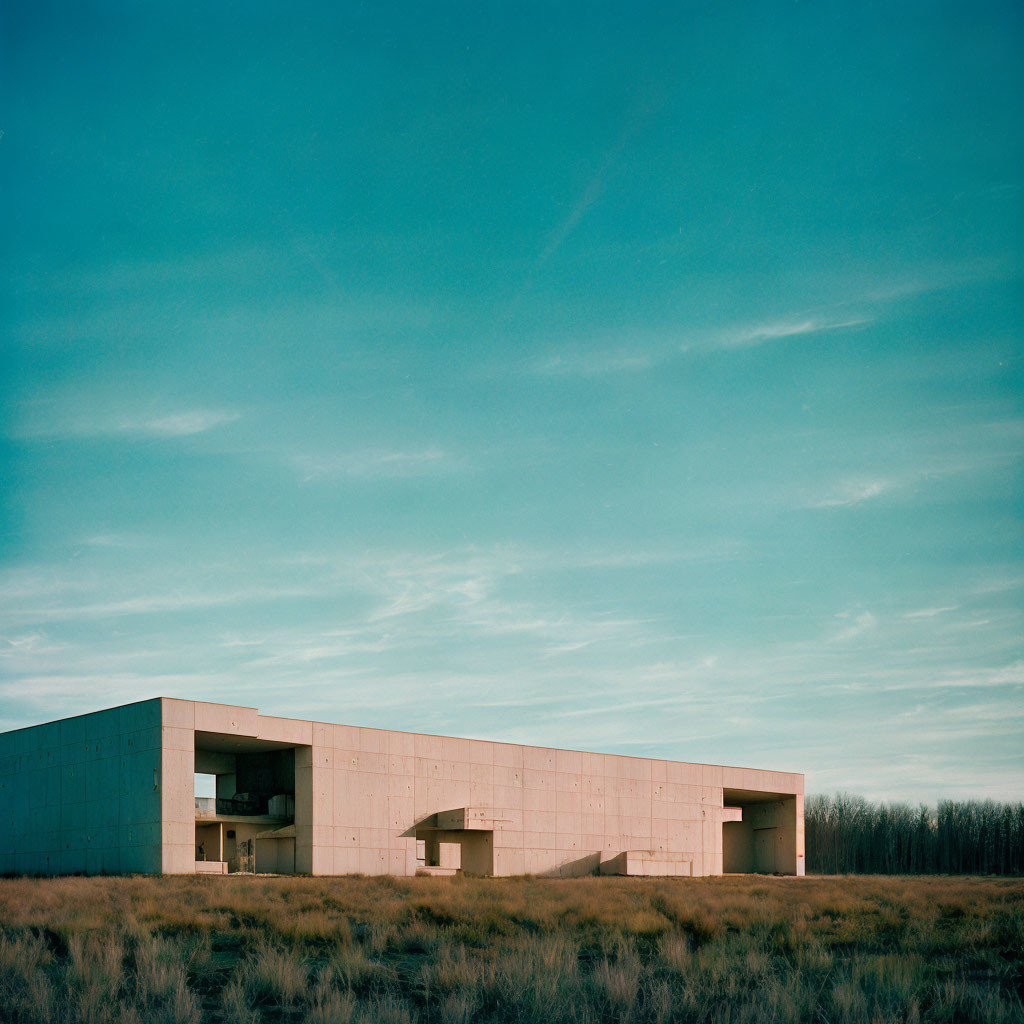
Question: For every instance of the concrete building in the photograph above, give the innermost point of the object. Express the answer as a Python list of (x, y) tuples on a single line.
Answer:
[(114, 792)]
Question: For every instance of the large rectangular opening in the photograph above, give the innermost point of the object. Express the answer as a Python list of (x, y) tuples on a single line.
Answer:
[(245, 819), (763, 840)]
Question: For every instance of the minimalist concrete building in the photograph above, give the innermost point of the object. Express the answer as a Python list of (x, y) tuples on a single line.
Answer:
[(114, 792)]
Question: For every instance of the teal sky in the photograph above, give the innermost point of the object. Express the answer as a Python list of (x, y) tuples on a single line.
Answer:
[(641, 378)]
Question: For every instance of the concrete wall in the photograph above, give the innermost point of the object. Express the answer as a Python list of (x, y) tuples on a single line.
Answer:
[(84, 794), (177, 795), (556, 812)]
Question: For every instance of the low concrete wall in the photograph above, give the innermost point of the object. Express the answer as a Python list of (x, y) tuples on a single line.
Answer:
[(648, 863)]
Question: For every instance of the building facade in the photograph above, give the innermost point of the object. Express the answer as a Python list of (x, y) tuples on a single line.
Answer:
[(114, 792)]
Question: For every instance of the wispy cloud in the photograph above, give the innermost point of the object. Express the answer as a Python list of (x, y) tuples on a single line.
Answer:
[(592, 364), (1003, 676), (939, 464), (606, 355), (181, 424), (159, 603), (484, 641), (852, 492), (853, 626), (930, 613), (594, 188), (40, 424), (115, 540), (374, 463), (760, 334), (389, 583), (939, 277)]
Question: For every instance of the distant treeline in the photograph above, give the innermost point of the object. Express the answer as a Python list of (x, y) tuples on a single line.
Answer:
[(849, 835)]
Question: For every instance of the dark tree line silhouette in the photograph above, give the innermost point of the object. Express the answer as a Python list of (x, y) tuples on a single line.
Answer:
[(850, 835)]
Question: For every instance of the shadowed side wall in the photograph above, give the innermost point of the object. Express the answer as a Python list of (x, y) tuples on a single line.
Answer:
[(774, 831), (737, 847), (84, 794)]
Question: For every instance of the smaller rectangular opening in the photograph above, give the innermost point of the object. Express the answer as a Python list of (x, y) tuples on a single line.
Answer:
[(205, 786), (465, 851)]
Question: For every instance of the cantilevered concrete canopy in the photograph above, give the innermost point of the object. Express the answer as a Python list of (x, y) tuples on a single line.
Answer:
[(113, 791)]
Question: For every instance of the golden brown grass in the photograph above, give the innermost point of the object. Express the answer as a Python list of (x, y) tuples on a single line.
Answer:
[(454, 951)]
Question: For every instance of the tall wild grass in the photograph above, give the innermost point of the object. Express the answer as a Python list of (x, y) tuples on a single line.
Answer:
[(451, 951)]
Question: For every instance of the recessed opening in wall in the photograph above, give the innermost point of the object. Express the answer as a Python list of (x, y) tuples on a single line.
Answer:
[(761, 839), (246, 823)]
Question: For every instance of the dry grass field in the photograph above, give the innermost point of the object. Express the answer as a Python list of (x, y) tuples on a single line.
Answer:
[(395, 951)]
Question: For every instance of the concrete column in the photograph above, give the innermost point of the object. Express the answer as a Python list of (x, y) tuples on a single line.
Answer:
[(177, 787)]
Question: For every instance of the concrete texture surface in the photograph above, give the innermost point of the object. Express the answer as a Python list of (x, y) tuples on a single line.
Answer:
[(84, 794)]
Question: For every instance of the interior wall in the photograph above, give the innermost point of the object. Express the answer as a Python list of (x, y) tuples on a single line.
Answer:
[(286, 856), (242, 834), (737, 847), (765, 841), (304, 813), (765, 858), (477, 853), (207, 836), (275, 856), (213, 762), (266, 773)]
